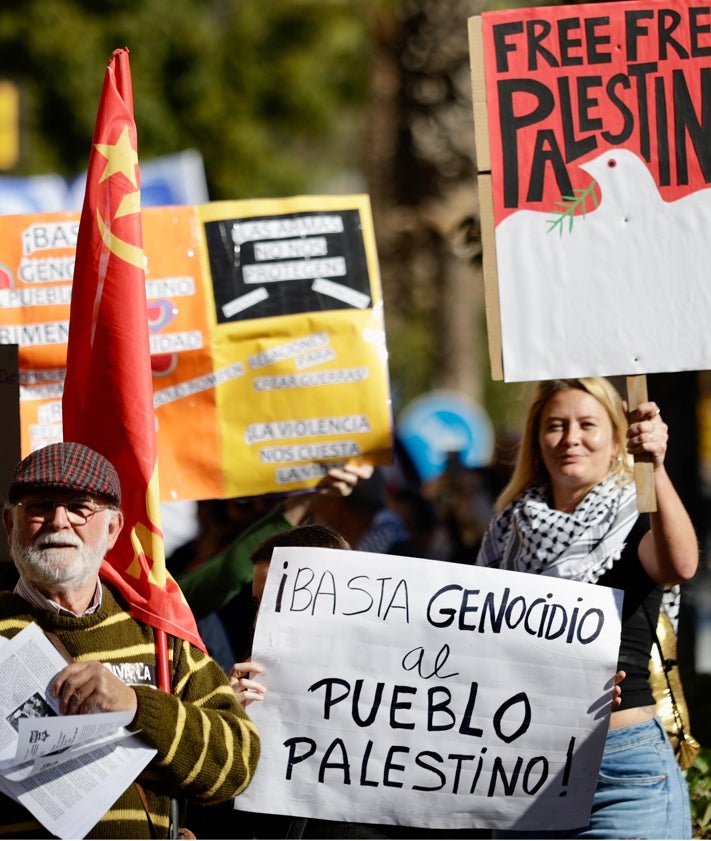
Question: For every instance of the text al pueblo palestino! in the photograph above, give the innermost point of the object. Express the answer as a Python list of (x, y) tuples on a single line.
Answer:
[(569, 85), (487, 761)]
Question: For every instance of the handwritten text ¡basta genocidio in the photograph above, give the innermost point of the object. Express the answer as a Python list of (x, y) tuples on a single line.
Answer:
[(451, 606)]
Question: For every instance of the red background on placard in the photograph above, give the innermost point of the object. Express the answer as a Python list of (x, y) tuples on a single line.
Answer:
[(612, 24)]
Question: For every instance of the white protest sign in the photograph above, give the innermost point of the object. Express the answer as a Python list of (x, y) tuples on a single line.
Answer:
[(422, 693)]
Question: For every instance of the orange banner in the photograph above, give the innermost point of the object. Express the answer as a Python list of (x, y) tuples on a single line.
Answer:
[(266, 331)]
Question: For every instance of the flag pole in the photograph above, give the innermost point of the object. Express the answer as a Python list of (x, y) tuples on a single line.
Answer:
[(162, 669)]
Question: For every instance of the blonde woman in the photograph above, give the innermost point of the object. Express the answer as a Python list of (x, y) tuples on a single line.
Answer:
[(570, 510)]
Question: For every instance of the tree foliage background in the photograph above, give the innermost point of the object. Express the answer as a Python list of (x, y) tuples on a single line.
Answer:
[(263, 90), (286, 97)]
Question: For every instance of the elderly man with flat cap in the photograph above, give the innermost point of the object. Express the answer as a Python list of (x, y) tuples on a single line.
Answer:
[(62, 517)]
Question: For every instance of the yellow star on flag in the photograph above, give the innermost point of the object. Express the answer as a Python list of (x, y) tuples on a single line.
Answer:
[(120, 157)]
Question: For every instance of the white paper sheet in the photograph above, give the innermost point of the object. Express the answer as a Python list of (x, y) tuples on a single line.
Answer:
[(66, 770)]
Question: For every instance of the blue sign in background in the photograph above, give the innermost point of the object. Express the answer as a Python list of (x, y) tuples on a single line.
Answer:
[(443, 422), (171, 179)]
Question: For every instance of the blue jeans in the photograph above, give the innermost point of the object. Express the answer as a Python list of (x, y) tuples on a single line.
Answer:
[(641, 792)]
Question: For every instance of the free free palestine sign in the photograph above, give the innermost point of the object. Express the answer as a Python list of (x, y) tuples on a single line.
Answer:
[(592, 125)]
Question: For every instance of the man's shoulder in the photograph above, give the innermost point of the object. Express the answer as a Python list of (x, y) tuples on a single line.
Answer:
[(112, 599)]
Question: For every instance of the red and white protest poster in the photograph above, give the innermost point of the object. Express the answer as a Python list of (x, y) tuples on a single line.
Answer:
[(593, 127)]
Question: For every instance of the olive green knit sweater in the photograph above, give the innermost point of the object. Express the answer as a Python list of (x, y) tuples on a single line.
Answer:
[(207, 747)]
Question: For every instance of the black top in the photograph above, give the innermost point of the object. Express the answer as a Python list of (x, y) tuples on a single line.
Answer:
[(640, 610)]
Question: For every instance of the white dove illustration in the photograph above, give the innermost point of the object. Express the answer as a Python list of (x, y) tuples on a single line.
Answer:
[(626, 291)]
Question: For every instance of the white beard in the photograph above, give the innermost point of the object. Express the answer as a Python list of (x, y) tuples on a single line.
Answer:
[(46, 567)]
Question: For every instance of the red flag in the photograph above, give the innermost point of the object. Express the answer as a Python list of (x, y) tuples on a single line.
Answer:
[(108, 391)]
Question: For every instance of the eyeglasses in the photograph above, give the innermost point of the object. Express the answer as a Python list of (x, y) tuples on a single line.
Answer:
[(79, 511)]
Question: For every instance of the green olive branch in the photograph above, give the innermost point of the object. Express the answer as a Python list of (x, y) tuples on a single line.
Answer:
[(570, 205)]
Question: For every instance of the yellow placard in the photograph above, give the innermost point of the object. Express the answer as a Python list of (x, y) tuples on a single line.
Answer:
[(267, 338)]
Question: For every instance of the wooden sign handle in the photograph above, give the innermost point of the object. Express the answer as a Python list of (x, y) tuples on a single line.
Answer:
[(643, 466)]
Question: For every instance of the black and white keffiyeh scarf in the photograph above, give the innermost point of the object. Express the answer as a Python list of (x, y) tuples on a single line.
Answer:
[(530, 536)]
